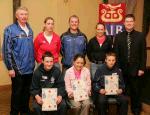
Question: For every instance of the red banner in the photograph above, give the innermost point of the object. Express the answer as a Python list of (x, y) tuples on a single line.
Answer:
[(112, 13)]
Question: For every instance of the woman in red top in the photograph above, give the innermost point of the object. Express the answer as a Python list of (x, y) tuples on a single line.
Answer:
[(47, 40)]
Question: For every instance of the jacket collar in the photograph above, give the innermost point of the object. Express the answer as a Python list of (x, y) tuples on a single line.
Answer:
[(130, 32)]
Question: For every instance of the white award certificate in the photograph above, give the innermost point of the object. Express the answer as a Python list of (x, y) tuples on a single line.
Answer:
[(79, 90), (49, 97), (111, 84)]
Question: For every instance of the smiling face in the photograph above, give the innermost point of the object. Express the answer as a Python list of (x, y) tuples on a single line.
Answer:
[(74, 23), (129, 24), (48, 63), (22, 16), (49, 25), (79, 63), (110, 61), (100, 29)]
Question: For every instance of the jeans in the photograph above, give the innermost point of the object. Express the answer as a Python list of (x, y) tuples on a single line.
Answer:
[(93, 68)]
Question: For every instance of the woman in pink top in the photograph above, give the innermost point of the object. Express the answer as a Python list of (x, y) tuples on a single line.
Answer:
[(78, 73), (47, 40)]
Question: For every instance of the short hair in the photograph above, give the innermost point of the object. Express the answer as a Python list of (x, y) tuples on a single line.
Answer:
[(47, 54), (100, 23), (130, 16), (22, 8), (110, 54), (73, 16), (79, 55)]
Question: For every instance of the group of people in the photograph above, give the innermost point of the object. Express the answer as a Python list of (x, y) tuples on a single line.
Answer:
[(125, 56)]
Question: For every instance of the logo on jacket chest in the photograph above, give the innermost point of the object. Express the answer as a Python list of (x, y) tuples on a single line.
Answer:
[(52, 80), (43, 41)]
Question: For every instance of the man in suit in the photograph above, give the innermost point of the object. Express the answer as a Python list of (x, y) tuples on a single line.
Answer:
[(130, 46)]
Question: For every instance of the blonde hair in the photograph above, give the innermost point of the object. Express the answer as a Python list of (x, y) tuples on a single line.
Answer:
[(46, 19), (22, 8), (73, 16)]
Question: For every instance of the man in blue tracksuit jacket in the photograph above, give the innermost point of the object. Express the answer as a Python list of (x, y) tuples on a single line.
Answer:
[(18, 57), (73, 42)]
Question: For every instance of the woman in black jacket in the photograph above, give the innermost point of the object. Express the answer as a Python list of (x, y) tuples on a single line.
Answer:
[(97, 48)]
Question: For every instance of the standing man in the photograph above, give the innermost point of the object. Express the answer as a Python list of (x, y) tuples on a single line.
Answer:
[(73, 42), (130, 46), (19, 59)]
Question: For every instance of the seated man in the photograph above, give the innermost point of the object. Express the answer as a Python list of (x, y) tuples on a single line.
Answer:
[(48, 76), (109, 68)]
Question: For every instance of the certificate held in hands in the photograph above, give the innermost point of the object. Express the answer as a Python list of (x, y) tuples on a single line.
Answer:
[(79, 90), (49, 96), (111, 84)]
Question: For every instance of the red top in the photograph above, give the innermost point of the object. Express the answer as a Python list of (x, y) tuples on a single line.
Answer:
[(41, 45), (101, 39)]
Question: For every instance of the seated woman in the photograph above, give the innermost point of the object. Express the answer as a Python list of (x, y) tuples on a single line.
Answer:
[(74, 76)]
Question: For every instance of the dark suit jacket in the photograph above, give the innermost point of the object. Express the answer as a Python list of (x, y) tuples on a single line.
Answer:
[(137, 55)]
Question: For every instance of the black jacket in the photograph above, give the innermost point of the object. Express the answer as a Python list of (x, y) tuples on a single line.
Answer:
[(97, 53), (137, 55), (47, 79), (99, 82)]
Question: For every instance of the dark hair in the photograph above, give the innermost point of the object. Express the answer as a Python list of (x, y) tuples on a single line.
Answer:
[(73, 16), (99, 23), (47, 54), (79, 56), (110, 54), (130, 16)]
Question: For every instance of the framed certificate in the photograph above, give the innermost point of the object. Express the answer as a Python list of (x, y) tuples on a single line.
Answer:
[(49, 96), (111, 84), (79, 90)]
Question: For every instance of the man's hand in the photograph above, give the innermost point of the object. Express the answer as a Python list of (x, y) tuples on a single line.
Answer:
[(11, 73), (119, 91), (59, 99), (140, 72), (102, 91), (39, 99)]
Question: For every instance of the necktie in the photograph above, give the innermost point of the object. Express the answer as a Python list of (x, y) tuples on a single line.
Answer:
[(129, 45)]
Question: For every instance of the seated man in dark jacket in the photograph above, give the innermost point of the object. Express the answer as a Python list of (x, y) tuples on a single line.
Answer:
[(48, 76), (109, 68)]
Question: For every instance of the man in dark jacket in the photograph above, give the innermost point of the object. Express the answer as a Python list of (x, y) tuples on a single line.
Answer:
[(48, 76), (130, 46), (109, 69)]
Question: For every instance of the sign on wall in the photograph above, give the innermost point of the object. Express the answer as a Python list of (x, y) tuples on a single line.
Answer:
[(113, 16)]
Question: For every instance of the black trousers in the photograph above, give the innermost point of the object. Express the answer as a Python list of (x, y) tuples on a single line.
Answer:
[(20, 94), (101, 104), (134, 86), (61, 109)]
